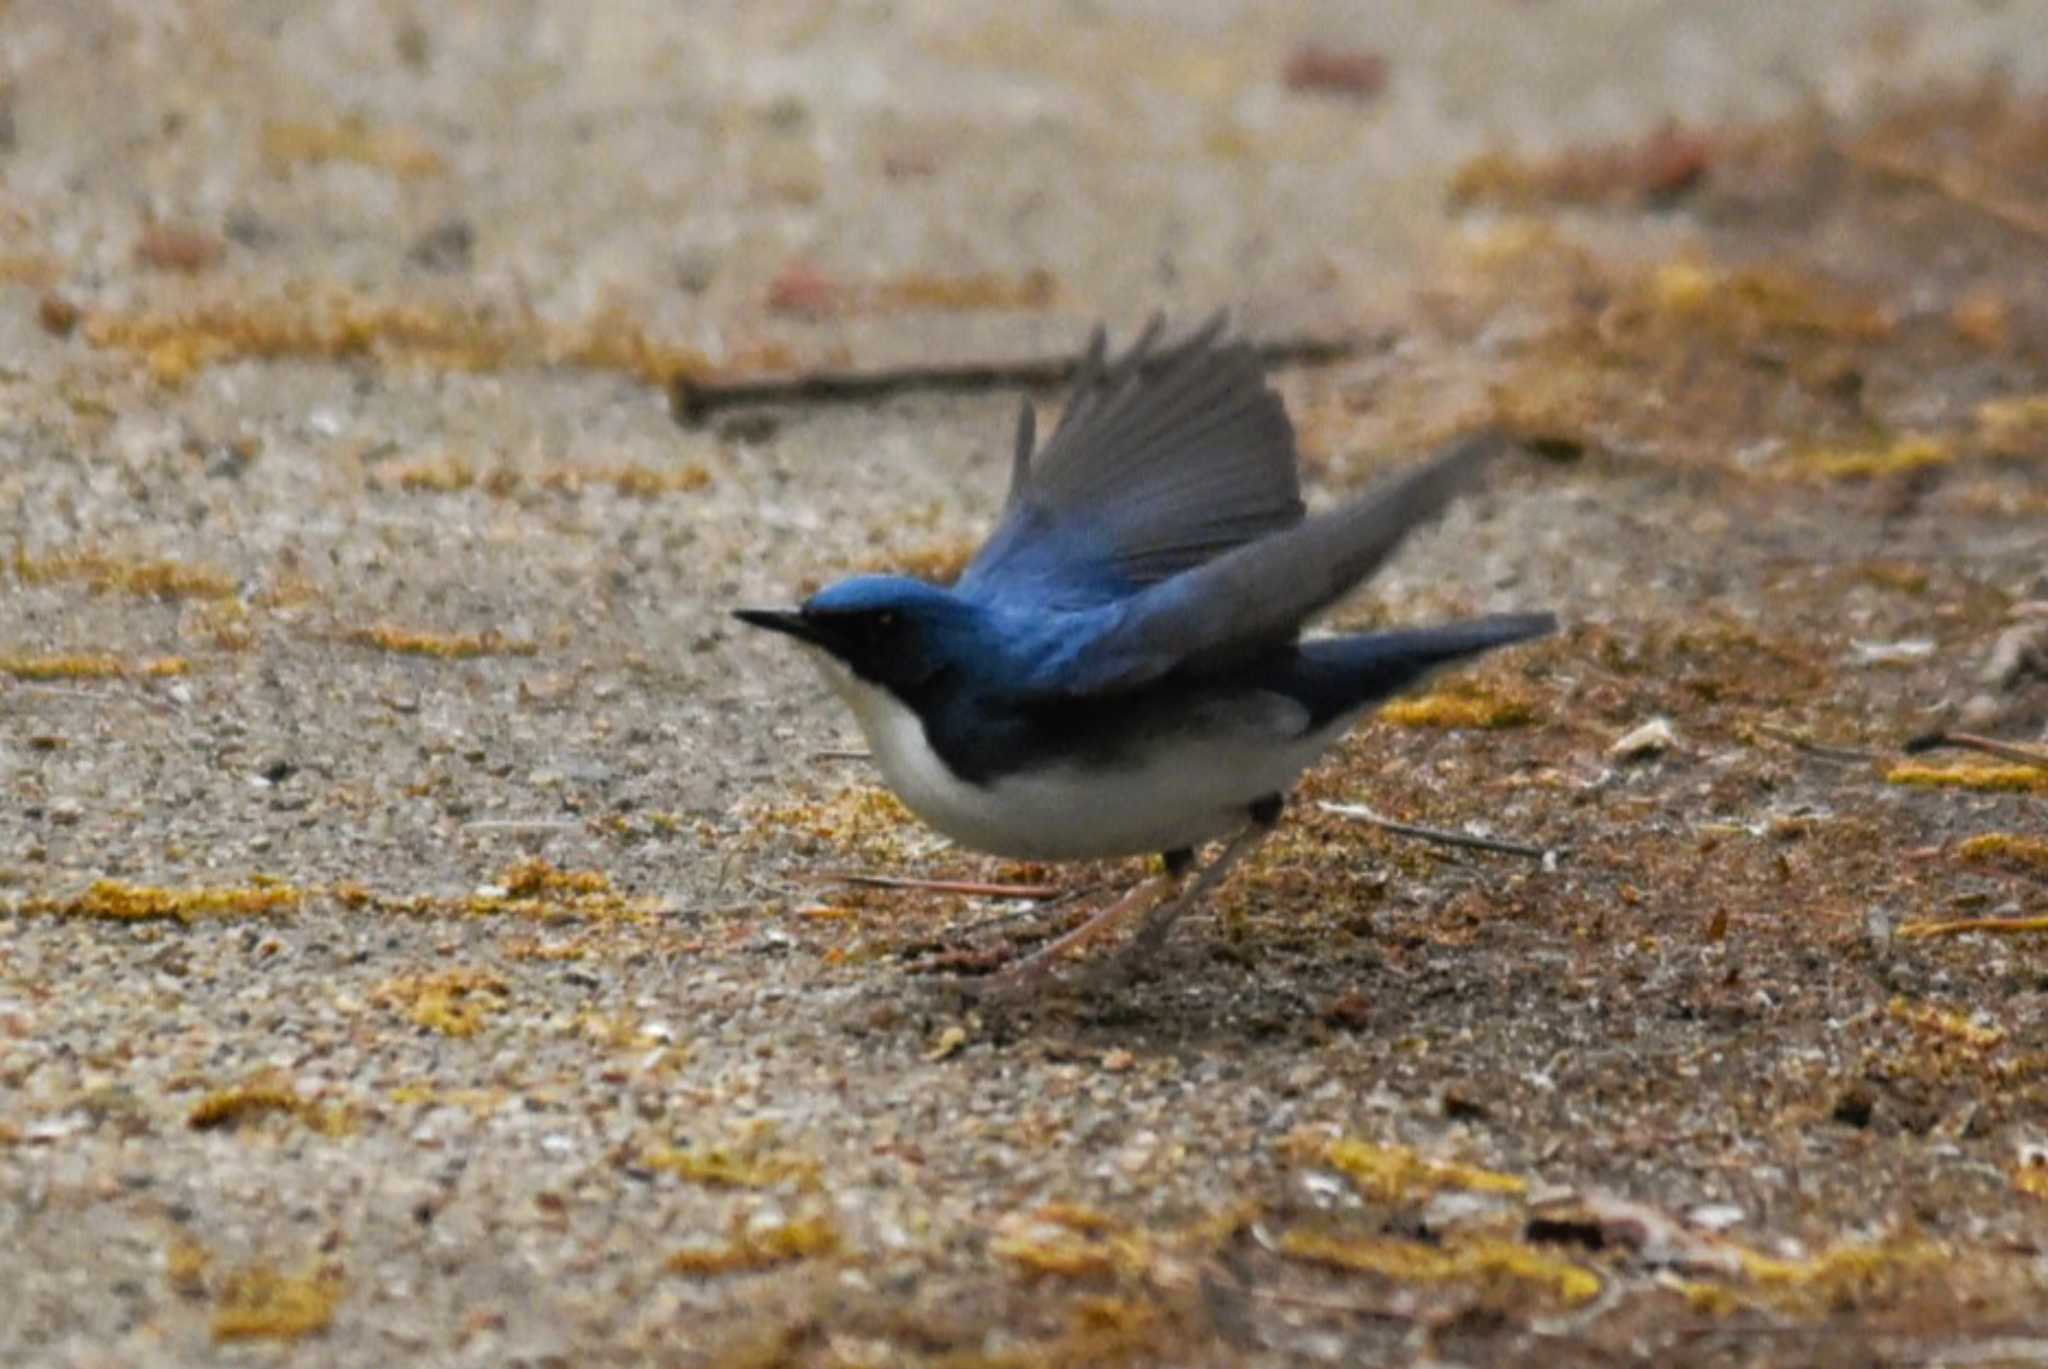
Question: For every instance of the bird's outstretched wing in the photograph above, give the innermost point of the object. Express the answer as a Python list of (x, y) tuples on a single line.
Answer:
[(1257, 596), (1164, 459)]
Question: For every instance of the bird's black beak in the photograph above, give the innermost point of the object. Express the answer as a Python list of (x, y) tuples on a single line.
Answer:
[(785, 621)]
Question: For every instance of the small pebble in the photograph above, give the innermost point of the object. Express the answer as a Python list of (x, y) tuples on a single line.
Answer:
[(1715, 1216), (1653, 738)]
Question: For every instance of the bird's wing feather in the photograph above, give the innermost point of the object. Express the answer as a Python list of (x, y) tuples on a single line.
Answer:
[(1227, 610), (1164, 459), (1332, 676)]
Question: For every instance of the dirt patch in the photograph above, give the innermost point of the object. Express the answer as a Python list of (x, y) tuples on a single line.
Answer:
[(416, 930)]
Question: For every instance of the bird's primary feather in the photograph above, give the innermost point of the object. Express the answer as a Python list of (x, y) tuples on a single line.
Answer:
[(1335, 676), (1162, 461), (1256, 596)]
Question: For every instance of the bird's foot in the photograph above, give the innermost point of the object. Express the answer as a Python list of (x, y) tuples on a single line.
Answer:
[(1152, 932), (1022, 977)]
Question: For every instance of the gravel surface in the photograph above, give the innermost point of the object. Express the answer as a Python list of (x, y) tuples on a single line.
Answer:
[(415, 935)]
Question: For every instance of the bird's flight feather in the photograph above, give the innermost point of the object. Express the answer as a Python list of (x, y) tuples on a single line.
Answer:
[(1257, 596), (1163, 460)]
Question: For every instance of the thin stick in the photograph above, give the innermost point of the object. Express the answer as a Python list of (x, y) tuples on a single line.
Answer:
[(61, 691), (1990, 746), (1965, 185), (1439, 835), (1357, 1309), (695, 399), (1846, 754), (969, 887)]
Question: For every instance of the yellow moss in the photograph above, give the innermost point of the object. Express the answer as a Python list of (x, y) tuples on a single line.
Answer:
[(531, 889), (1392, 1172), (1841, 1269), (960, 294), (261, 1304), (482, 1102), (28, 268), (117, 901), (443, 473), (631, 479), (532, 949), (327, 323), (2014, 427), (645, 482), (90, 667), (185, 1265), (322, 321), (763, 1248), (1937, 1021), (862, 820), (1749, 302), (720, 1167), (1459, 705), (1066, 1256), (397, 150), (622, 1031), (128, 575), (231, 1107), (447, 646), (63, 667), (1682, 286), (1417, 1262), (1999, 779), (2000, 926), (223, 622), (532, 878), (1894, 457), (1994, 846), (613, 341), (939, 563), (1069, 1241), (951, 1042), (457, 1002)]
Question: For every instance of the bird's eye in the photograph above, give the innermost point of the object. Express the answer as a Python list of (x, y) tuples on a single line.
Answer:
[(885, 622)]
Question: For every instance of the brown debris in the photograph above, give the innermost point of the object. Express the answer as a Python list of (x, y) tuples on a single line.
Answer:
[(804, 290), (1669, 162), (173, 247), (1353, 74), (401, 151), (57, 314), (448, 646)]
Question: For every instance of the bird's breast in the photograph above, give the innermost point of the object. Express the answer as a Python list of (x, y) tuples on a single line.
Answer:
[(1160, 788)]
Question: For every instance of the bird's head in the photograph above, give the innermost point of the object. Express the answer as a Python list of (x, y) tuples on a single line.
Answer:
[(901, 634)]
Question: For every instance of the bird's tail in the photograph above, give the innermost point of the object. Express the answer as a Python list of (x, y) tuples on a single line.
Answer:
[(1342, 674)]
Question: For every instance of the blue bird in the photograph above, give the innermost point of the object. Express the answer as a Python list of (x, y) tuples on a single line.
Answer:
[(1119, 671)]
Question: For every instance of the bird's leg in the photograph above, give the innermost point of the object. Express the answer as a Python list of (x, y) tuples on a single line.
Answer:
[(1032, 968), (1265, 816)]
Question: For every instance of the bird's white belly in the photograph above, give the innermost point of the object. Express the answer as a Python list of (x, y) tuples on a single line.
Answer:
[(1187, 793)]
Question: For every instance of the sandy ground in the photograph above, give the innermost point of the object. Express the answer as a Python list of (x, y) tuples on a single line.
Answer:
[(412, 939)]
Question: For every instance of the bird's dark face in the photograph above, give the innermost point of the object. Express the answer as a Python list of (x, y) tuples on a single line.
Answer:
[(897, 633)]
